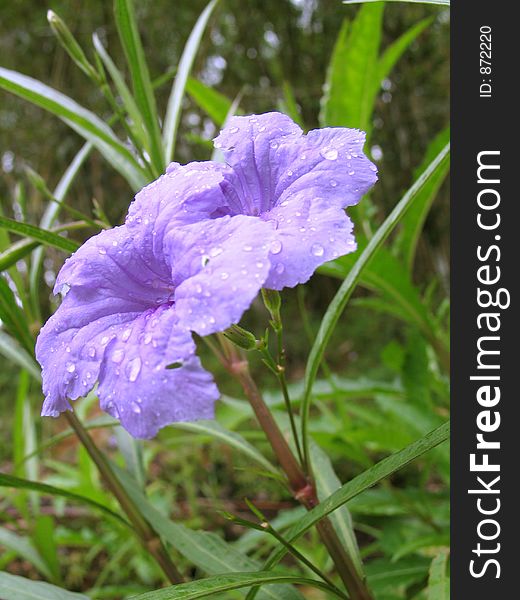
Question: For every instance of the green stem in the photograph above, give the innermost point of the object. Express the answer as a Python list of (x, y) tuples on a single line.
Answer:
[(149, 538)]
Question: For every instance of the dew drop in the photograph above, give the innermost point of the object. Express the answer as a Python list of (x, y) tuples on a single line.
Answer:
[(248, 248), (118, 355), (333, 183), (104, 340), (102, 251), (276, 247), (215, 251), (373, 168), (147, 338), (126, 334), (136, 408), (233, 130), (71, 367), (67, 349), (329, 153), (133, 368), (351, 173), (317, 250), (224, 275), (279, 268)]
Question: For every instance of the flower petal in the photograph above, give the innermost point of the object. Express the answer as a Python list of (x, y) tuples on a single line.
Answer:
[(309, 232), (327, 163), (249, 145), (150, 376), (219, 266)]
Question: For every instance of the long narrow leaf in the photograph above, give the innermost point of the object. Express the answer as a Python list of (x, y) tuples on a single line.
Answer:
[(16, 482), (25, 549), (205, 588), (48, 238), (141, 81), (12, 350), (342, 296), (442, 2), (13, 587), (173, 111), (83, 121), (353, 67)]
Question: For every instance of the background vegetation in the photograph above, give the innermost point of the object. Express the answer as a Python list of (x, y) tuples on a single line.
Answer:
[(388, 352)]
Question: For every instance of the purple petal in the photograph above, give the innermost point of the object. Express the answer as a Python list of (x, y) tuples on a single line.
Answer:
[(250, 146), (115, 295), (183, 195), (272, 160), (327, 163), (137, 387), (310, 232), (219, 266)]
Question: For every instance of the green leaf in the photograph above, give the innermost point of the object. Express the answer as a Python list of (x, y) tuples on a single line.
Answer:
[(83, 121), (13, 316), (137, 123), (342, 296), (439, 581), (205, 550), (51, 214), (44, 540), (348, 100), (412, 223), (13, 587), (141, 81), (362, 482), (16, 482), (173, 110), (16, 252), (215, 104), (394, 52), (12, 350), (443, 2), (25, 549), (233, 439), (48, 238), (204, 588), (327, 482)]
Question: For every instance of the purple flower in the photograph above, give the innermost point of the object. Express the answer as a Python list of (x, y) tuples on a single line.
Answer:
[(197, 246)]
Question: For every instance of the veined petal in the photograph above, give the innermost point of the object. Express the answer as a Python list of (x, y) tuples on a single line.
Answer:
[(150, 376), (218, 268), (309, 232)]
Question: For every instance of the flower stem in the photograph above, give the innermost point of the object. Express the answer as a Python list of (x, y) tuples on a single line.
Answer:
[(149, 538), (303, 488)]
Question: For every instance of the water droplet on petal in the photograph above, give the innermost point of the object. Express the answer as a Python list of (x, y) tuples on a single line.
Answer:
[(147, 338), (276, 247), (279, 268), (133, 368), (102, 251), (329, 153), (104, 340), (373, 168), (136, 408), (233, 130), (118, 355), (351, 173), (126, 334), (248, 248), (71, 367), (215, 251), (224, 275), (317, 250), (333, 183)]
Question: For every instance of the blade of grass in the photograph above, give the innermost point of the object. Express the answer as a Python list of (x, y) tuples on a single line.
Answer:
[(173, 110), (141, 81)]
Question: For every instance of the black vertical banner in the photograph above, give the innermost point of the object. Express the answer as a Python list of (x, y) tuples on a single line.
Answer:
[(485, 199)]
